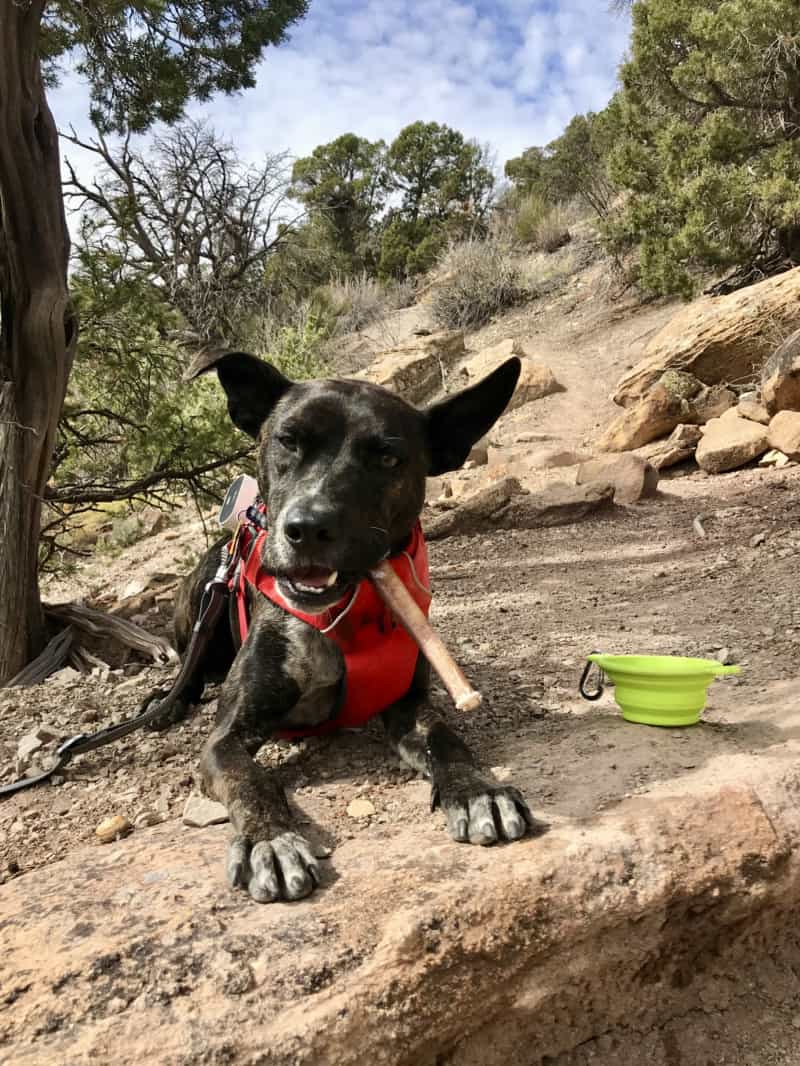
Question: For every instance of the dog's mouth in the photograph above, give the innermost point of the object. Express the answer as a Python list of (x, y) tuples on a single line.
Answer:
[(316, 586)]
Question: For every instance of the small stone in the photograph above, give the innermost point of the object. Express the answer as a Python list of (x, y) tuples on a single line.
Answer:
[(200, 811), (27, 747), (725, 656), (64, 676), (757, 540), (147, 818), (796, 1021), (502, 773), (360, 808), (112, 829)]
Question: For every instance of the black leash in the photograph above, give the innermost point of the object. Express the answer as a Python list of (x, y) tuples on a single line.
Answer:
[(160, 701)]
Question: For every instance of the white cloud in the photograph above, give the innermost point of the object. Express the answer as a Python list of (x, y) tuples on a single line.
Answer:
[(508, 72)]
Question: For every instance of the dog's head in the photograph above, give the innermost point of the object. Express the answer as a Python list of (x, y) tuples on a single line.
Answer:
[(342, 466)]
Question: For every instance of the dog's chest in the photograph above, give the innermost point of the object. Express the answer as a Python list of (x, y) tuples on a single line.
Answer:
[(317, 667)]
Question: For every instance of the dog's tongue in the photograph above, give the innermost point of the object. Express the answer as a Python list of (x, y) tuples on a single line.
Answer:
[(315, 577)]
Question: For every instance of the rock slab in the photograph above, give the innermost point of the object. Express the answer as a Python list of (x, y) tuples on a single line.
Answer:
[(729, 443), (631, 476)]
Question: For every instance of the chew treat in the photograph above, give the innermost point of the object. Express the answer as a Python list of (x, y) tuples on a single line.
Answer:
[(399, 601)]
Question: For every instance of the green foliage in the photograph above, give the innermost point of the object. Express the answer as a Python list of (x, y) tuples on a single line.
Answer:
[(574, 165), (480, 278), (144, 59), (344, 184), (130, 425), (295, 347), (707, 129)]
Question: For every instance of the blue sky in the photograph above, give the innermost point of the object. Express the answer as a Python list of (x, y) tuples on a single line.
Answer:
[(510, 73)]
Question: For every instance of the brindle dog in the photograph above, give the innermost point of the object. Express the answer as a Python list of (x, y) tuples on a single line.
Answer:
[(341, 469)]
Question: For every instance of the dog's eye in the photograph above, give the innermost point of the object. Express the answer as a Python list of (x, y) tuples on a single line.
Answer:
[(389, 461), (288, 442)]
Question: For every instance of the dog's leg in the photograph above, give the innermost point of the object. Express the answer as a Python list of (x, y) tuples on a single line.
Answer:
[(266, 856), (479, 808)]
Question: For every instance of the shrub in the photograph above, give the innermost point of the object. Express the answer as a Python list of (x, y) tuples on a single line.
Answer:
[(479, 279), (295, 346), (552, 230)]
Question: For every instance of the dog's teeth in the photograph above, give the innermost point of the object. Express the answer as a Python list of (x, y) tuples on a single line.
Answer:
[(310, 588), (333, 578)]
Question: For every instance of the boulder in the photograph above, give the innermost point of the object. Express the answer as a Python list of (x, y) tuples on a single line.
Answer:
[(655, 414), (631, 476), (676, 448), (784, 433), (712, 403), (535, 380), (728, 443), (718, 339), (780, 377), (414, 369), (754, 410), (505, 505)]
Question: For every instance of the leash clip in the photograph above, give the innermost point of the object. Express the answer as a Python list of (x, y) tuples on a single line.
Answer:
[(601, 678)]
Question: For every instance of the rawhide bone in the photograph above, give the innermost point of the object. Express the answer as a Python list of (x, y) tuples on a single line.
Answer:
[(400, 602)]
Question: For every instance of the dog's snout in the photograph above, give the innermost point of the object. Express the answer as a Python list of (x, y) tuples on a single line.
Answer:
[(309, 523)]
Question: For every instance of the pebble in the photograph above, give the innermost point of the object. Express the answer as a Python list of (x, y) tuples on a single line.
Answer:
[(112, 829), (200, 811), (725, 656), (360, 808)]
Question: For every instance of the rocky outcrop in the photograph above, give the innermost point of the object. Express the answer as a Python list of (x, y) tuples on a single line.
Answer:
[(730, 442), (416, 950), (416, 370), (780, 378), (679, 446), (651, 417), (535, 380), (506, 505), (631, 476), (718, 339)]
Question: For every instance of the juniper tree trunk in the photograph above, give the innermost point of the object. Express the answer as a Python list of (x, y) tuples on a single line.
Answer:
[(37, 325)]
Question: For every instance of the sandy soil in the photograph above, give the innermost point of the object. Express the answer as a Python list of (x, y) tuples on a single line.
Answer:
[(521, 609)]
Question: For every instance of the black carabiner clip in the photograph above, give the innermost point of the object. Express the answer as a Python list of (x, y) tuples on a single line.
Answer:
[(592, 696)]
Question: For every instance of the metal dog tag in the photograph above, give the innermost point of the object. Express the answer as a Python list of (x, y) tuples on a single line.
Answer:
[(242, 493)]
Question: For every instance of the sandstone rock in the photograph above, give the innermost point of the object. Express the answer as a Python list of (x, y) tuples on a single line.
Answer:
[(729, 443), (396, 959), (27, 747), (711, 403), (415, 369), (631, 476), (114, 828), (679, 446), (505, 506), (200, 811), (718, 339), (535, 380), (754, 410), (655, 414), (153, 520), (774, 458), (534, 458), (780, 376), (784, 433), (360, 808)]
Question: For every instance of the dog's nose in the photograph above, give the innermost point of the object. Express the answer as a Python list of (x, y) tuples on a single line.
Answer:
[(309, 523)]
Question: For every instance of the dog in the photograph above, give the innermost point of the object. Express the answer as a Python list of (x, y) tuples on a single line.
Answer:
[(341, 471)]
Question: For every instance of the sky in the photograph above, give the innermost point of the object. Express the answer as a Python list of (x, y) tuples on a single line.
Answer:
[(510, 73)]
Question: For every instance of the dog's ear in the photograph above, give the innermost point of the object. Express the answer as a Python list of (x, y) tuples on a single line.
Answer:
[(252, 386), (455, 424)]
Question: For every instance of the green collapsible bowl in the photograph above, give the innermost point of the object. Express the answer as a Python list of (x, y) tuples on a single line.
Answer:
[(666, 690)]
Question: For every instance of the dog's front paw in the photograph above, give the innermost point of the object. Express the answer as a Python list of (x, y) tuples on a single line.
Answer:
[(281, 868), (480, 810)]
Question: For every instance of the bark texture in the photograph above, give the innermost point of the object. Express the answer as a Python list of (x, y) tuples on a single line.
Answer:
[(37, 324)]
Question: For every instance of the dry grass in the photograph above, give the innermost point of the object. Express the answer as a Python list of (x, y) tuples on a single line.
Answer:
[(481, 279)]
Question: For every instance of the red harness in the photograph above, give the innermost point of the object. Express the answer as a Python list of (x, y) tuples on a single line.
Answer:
[(379, 655)]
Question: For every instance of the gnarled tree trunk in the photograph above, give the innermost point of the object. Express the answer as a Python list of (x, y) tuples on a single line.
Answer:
[(37, 325)]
